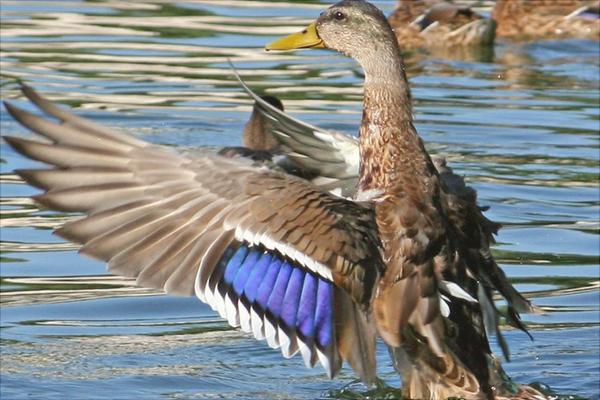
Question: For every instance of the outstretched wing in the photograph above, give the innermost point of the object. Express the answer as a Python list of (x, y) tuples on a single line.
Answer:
[(271, 253)]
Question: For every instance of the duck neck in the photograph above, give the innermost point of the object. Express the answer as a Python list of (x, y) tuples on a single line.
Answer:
[(391, 151)]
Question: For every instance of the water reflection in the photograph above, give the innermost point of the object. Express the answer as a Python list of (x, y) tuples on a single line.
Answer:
[(520, 121)]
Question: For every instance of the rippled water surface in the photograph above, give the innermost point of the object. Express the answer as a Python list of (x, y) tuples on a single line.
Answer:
[(520, 122)]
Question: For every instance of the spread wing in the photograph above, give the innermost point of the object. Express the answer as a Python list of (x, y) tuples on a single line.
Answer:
[(271, 253)]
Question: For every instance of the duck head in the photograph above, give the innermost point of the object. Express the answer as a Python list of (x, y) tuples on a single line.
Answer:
[(355, 28)]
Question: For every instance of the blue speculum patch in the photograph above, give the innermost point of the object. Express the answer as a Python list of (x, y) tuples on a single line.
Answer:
[(293, 297)]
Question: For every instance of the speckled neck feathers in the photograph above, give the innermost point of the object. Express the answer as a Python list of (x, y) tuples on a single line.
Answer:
[(392, 154)]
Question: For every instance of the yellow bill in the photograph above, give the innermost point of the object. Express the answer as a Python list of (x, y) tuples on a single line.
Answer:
[(308, 38)]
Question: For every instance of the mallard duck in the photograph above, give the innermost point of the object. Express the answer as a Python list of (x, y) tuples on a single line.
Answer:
[(259, 143), (537, 19), (439, 23), (332, 158), (305, 270)]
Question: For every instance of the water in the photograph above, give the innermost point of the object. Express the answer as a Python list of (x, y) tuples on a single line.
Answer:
[(520, 122)]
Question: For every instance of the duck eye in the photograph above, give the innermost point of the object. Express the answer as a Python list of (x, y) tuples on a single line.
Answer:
[(339, 15)]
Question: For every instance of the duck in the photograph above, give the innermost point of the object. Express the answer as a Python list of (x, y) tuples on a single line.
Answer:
[(330, 160), (435, 24), (309, 272), (258, 143), (551, 19)]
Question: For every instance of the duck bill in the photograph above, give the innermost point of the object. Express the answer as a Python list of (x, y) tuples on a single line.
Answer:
[(308, 38)]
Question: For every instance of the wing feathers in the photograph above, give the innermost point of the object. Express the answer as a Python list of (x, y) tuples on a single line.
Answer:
[(86, 198), (65, 156), (206, 253), (275, 300), (157, 272), (81, 123), (65, 134), (146, 250), (60, 178), (109, 244), (84, 229), (173, 222)]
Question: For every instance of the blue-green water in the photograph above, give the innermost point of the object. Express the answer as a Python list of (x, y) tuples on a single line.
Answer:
[(521, 122)]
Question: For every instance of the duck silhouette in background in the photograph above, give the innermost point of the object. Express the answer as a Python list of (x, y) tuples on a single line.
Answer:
[(258, 143), (439, 24), (547, 19)]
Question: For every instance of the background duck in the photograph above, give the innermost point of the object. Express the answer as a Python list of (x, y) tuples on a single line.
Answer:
[(258, 143), (537, 19), (262, 146), (305, 270), (439, 23)]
